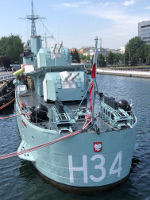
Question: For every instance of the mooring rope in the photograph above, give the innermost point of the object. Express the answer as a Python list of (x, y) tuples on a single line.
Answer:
[(3, 106), (87, 122), (11, 116), (43, 145), (7, 94)]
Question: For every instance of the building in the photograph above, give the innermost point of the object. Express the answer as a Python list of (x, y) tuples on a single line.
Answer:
[(73, 49), (15, 67), (115, 50), (90, 51), (122, 50), (144, 31)]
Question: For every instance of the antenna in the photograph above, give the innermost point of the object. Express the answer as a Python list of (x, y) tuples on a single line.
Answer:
[(96, 42), (46, 39), (33, 18), (100, 44)]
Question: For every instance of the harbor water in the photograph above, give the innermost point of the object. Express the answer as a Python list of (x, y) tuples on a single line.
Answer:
[(19, 179)]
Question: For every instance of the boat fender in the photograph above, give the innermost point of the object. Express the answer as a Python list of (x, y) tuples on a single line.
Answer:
[(124, 105), (18, 72)]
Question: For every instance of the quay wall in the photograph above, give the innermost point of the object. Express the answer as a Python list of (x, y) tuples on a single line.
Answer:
[(128, 73)]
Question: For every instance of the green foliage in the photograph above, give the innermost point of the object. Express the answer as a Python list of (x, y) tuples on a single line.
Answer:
[(75, 56), (5, 61), (85, 58), (136, 52), (114, 58), (111, 58), (148, 59), (101, 61), (119, 58), (11, 46)]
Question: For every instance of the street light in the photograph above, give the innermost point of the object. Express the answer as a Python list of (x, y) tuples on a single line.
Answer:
[(129, 59)]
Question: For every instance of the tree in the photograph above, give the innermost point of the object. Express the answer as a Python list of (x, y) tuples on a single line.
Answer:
[(111, 58), (5, 61), (148, 59), (85, 58), (11, 46), (75, 56), (136, 51), (101, 61), (119, 58)]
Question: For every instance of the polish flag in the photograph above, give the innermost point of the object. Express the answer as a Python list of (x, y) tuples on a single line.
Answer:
[(90, 98), (93, 73)]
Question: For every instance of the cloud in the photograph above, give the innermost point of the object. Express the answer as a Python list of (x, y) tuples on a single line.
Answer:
[(113, 21), (75, 5), (128, 3), (148, 7), (122, 24), (70, 5), (104, 11)]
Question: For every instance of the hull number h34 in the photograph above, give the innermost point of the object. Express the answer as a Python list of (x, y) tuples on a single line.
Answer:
[(115, 168)]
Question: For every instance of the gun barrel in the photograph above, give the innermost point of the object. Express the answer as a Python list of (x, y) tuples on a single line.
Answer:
[(68, 76), (75, 76)]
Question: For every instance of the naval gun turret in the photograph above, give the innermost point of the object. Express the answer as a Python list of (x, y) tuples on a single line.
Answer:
[(65, 86)]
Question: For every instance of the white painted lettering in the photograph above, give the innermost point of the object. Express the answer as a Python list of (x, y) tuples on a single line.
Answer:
[(113, 169), (82, 169), (100, 167)]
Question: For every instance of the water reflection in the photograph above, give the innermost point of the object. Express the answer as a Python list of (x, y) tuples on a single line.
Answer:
[(135, 162), (7, 110), (19, 179), (27, 171)]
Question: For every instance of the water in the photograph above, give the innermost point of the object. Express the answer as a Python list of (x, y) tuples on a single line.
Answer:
[(19, 180)]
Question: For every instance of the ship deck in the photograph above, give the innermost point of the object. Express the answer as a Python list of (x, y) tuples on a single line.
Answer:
[(32, 99)]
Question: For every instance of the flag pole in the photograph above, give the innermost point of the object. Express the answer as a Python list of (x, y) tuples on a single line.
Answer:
[(94, 77)]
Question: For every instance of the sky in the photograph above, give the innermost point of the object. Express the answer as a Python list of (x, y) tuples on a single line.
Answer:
[(74, 22)]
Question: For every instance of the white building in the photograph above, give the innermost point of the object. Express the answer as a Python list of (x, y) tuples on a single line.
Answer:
[(144, 31), (122, 50)]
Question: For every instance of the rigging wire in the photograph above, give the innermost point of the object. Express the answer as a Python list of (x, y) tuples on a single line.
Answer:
[(40, 19), (87, 122)]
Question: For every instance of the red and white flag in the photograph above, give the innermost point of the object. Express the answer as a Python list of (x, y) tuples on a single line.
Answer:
[(93, 73), (90, 98)]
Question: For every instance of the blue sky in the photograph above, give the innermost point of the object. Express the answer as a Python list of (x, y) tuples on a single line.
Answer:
[(75, 22)]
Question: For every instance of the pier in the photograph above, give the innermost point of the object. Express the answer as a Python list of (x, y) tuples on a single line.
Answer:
[(128, 73), (2, 74)]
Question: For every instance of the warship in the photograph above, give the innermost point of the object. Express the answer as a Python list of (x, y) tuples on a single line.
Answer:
[(77, 138)]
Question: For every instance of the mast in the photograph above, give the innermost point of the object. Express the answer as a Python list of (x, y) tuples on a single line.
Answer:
[(96, 43), (33, 18)]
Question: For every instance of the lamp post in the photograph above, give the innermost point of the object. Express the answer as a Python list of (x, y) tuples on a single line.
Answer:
[(129, 59)]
